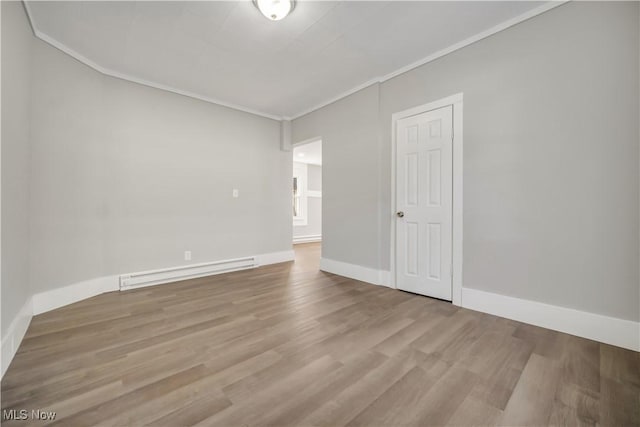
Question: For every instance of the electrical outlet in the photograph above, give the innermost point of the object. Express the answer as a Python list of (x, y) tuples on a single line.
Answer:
[(187, 255), (235, 193)]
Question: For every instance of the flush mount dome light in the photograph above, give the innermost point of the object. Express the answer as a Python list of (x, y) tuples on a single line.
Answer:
[(275, 10)]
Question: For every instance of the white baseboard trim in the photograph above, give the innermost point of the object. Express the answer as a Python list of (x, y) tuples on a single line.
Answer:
[(56, 298), (276, 257), (353, 271), (15, 333), (609, 330), (385, 278), (307, 239)]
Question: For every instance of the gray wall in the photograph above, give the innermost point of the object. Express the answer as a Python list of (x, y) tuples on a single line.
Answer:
[(126, 178), (68, 171), (16, 47), (550, 158), (314, 205), (350, 168)]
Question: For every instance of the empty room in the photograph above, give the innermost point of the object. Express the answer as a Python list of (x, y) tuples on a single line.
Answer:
[(320, 213)]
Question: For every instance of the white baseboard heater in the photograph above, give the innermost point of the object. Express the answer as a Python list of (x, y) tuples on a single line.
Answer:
[(174, 274), (307, 239)]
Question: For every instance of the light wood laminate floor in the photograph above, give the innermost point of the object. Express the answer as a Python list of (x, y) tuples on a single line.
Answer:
[(288, 345)]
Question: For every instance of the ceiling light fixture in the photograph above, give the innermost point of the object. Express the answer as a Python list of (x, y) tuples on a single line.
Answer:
[(275, 10)]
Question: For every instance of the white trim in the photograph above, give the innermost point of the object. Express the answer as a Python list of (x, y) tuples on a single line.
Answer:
[(609, 330), (314, 193), (457, 239), (307, 239), (477, 37), (466, 42), (275, 257), (108, 72), (162, 276), (357, 272), (385, 278), (457, 221), (15, 333), (434, 105), (349, 92), (56, 298), (59, 297), (439, 54), (307, 141)]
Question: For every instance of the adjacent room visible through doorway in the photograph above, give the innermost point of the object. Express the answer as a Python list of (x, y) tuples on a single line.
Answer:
[(307, 192)]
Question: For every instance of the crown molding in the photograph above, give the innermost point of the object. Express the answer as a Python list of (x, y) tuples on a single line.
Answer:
[(112, 73), (439, 54), (482, 35), (351, 91)]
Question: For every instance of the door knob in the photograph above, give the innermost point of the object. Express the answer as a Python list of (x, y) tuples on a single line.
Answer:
[(400, 214)]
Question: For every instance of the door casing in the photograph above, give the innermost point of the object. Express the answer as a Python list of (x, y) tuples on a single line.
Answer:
[(456, 101)]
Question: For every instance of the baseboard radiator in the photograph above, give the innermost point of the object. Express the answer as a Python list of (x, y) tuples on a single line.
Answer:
[(307, 239), (174, 274)]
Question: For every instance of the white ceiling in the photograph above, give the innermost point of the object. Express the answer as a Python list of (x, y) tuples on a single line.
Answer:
[(310, 153), (228, 52)]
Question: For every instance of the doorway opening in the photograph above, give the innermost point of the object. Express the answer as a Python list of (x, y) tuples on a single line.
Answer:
[(307, 192)]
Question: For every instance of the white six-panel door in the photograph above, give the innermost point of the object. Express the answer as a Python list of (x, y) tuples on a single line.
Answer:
[(424, 193)]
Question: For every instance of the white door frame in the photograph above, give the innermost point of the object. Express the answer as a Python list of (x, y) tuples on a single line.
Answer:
[(456, 102), (306, 141)]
